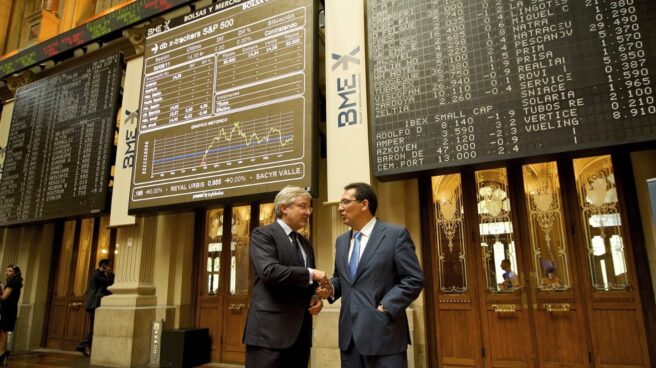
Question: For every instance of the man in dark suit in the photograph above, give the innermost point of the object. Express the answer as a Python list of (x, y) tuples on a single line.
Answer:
[(100, 280), (278, 330), (377, 275)]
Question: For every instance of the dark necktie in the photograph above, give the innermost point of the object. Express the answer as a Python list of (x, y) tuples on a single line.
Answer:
[(355, 255), (297, 245)]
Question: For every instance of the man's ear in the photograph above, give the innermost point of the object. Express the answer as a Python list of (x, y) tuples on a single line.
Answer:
[(365, 204)]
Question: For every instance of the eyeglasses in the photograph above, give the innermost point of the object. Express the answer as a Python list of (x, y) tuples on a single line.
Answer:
[(345, 201), (303, 207)]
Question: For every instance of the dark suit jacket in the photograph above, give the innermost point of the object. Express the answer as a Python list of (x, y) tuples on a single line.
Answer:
[(388, 274), (97, 288), (281, 290)]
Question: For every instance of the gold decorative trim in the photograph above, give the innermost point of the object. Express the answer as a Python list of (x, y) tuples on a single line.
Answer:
[(504, 308), (563, 307), (455, 301)]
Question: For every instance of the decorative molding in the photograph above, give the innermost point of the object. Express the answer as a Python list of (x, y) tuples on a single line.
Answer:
[(137, 38), (16, 81), (453, 300)]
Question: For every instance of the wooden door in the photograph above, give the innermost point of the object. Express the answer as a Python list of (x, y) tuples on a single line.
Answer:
[(531, 267), (554, 280), (238, 290), (617, 330), (67, 318), (454, 294), (210, 299), (81, 244), (501, 271), (225, 281)]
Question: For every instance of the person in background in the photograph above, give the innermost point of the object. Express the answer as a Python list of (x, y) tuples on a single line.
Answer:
[(551, 280), (510, 279), (278, 332), (100, 280), (9, 307)]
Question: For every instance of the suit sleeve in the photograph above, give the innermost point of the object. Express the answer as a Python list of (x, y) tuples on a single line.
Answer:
[(264, 254), (336, 280), (106, 281), (337, 287), (410, 277)]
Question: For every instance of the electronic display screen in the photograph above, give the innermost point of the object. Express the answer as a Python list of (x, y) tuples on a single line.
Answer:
[(57, 160), (227, 104), (455, 82)]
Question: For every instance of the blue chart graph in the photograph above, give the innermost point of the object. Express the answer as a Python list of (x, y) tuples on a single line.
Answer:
[(224, 144)]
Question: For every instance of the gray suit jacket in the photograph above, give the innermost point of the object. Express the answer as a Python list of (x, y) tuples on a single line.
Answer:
[(281, 290), (388, 274)]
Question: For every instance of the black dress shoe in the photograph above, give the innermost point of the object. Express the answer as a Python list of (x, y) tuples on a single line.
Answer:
[(83, 349)]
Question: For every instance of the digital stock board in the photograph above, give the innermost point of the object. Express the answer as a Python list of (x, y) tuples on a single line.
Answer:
[(227, 103), (127, 14), (455, 82), (57, 161)]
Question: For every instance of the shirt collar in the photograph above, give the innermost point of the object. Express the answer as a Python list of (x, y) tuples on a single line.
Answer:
[(368, 228), (285, 227)]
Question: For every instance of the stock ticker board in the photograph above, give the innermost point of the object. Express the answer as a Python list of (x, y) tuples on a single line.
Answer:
[(456, 82), (57, 161), (227, 107)]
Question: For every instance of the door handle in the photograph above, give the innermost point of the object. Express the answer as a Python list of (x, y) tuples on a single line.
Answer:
[(504, 308), (75, 306), (237, 307), (562, 307)]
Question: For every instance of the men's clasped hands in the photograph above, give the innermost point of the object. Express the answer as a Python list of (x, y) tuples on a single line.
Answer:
[(324, 289)]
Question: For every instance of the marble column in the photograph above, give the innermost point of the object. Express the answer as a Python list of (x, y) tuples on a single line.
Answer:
[(154, 272), (34, 259), (123, 320)]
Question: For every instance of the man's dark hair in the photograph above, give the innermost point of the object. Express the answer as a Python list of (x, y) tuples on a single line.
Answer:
[(104, 262), (365, 191)]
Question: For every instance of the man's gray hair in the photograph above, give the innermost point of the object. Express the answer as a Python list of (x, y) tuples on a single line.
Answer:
[(287, 196)]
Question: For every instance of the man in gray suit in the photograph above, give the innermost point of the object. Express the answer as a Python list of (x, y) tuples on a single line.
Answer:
[(377, 275), (278, 332)]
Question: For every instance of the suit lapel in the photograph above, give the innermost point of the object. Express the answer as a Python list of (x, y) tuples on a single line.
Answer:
[(307, 248), (377, 236), (285, 245), (342, 254)]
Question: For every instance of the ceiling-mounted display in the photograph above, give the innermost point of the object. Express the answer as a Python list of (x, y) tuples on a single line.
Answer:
[(227, 103), (456, 82), (57, 158)]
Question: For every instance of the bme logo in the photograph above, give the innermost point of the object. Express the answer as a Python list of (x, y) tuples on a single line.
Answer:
[(347, 88)]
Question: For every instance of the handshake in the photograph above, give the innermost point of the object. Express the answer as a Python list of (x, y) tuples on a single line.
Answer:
[(325, 287)]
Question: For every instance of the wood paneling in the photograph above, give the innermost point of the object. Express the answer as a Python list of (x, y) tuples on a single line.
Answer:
[(561, 338), (208, 317), (459, 348), (571, 325), (617, 337), (56, 324)]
